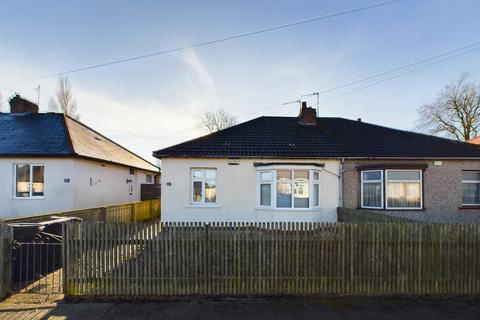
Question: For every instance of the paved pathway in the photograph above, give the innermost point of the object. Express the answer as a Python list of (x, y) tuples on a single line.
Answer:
[(28, 306), (264, 309)]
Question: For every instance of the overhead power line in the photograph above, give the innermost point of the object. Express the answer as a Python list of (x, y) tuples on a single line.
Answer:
[(396, 76), (403, 74), (447, 55), (206, 43), (412, 64)]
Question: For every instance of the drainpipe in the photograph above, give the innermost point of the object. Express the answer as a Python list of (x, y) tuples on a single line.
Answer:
[(340, 175)]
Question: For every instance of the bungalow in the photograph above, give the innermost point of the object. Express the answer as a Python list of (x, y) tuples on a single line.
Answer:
[(302, 169), (51, 162)]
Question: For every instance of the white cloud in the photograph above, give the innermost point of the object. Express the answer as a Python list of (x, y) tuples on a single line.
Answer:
[(139, 124), (201, 89)]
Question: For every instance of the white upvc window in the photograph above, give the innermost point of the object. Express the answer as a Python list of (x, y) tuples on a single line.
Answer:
[(372, 189), (392, 189), (288, 189), (29, 181), (204, 186), (404, 189), (471, 188), (265, 188)]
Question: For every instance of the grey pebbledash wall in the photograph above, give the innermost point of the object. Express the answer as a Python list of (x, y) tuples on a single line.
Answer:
[(442, 186)]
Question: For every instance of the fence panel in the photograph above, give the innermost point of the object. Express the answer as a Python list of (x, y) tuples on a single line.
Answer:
[(180, 259), (128, 212)]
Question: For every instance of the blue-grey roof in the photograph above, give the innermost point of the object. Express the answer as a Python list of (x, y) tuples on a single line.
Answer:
[(34, 134), (54, 134)]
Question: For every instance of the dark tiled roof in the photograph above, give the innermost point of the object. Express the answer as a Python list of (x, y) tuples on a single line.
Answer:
[(284, 137), (53, 134), (34, 134)]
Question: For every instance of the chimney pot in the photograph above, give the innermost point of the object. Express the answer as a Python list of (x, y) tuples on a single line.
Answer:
[(308, 115), (359, 119), (22, 105)]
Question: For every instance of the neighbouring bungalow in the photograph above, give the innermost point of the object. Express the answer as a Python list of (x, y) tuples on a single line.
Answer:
[(50, 162), (302, 168)]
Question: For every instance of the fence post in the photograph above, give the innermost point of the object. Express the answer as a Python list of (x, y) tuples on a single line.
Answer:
[(132, 212), (104, 214), (6, 238), (64, 256)]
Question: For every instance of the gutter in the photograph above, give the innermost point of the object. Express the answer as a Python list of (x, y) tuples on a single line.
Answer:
[(164, 156)]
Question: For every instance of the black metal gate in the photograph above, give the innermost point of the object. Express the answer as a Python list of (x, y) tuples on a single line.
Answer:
[(37, 267)]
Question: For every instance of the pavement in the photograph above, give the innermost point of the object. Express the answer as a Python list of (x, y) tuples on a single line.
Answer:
[(269, 308), (28, 306)]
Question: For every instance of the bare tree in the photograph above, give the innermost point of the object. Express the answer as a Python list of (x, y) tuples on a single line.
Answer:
[(215, 120), (64, 100), (455, 113)]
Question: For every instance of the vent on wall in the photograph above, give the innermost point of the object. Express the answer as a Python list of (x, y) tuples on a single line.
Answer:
[(233, 162)]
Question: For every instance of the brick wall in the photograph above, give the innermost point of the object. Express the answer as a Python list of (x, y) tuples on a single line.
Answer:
[(442, 187)]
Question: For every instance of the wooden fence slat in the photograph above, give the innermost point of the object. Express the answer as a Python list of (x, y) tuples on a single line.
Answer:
[(164, 259)]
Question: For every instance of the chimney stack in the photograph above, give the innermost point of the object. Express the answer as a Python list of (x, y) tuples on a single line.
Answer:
[(21, 105), (308, 115)]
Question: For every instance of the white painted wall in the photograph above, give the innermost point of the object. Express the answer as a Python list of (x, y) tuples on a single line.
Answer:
[(108, 186), (98, 184), (236, 192), (58, 194)]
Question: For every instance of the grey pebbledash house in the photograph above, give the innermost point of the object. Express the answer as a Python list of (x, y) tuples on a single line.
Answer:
[(302, 168)]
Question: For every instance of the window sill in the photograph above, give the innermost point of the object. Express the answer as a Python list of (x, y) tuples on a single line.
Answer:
[(393, 209), (203, 206), (289, 209), (470, 207), (28, 198)]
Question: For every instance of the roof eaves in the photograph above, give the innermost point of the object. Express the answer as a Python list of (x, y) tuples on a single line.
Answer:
[(119, 164)]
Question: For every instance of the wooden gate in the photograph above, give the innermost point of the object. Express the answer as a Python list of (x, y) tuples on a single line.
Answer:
[(37, 267)]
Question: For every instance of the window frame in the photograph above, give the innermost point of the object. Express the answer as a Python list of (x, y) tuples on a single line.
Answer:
[(148, 177), (203, 180), (403, 181), (273, 187), (469, 182), (270, 182), (14, 180), (382, 188)]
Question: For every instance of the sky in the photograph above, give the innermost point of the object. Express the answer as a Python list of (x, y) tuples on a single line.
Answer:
[(152, 103)]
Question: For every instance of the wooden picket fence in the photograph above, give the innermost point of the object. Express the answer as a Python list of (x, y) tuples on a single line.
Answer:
[(160, 259)]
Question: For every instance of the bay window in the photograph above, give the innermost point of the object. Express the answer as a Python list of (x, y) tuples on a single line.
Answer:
[(29, 181), (471, 188), (204, 186), (288, 188), (403, 189)]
